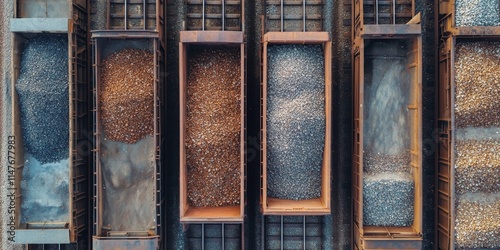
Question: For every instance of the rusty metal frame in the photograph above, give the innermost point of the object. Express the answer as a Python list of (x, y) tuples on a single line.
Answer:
[(284, 18), (447, 26), (274, 206), (159, 17), (283, 225), (190, 214), (138, 240), (384, 237), (203, 16), (78, 82)]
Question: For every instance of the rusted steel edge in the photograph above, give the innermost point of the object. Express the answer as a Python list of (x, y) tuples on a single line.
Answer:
[(296, 37), (196, 36), (125, 34)]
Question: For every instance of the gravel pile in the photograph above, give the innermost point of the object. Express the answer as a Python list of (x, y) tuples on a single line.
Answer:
[(43, 93), (477, 84), (477, 166), (477, 13), (388, 199), (295, 121), (385, 163), (213, 126), (127, 95), (477, 224)]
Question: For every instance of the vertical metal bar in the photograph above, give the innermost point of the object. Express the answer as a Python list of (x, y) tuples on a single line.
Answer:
[(223, 14), (304, 14), (282, 14), (144, 12), (223, 241), (203, 15), (304, 230), (394, 11), (281, 230), (203, 232), (376, 11), (125, 14)]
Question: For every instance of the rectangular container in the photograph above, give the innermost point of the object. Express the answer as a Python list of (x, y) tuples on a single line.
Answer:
[(446, 197), (191, 214), (448, 12), (381, 15), (321, 205), (74, 230), (104, 236), (47, 15), (373, 237)]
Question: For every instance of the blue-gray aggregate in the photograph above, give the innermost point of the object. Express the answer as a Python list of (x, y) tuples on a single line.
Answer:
[(43, 93), (295, 121)]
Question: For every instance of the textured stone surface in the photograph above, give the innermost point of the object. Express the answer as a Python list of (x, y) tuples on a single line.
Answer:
[(388, 200), (213, 127), (477, 224), (477, 84), (127, 95), (477, 13), (43, 94), (295, 121)]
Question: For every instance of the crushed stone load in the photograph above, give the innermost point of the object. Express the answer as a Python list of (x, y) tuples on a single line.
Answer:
[(385, 163), (477, 84), (477, 223), (128, 184), (127, 95), (477, 13), (213, 126), (45, 191), (388, 199), (477, 166), (295, 121), (43, 94)]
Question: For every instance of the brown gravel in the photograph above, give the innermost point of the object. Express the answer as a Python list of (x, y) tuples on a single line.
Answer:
[(127, 95), (477, 166), (477, 76), (477, 222), (213, 127), (384, 163)]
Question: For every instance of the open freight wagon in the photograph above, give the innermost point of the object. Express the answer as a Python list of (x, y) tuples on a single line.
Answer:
[(50, 115), (468, 170), (212, 94), (468, 18), (295, 144), (387, 153), (129, 64), (127, 113)]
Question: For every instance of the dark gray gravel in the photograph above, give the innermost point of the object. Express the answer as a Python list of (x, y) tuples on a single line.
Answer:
[(388, 199), (295, 121), (43, 92)]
